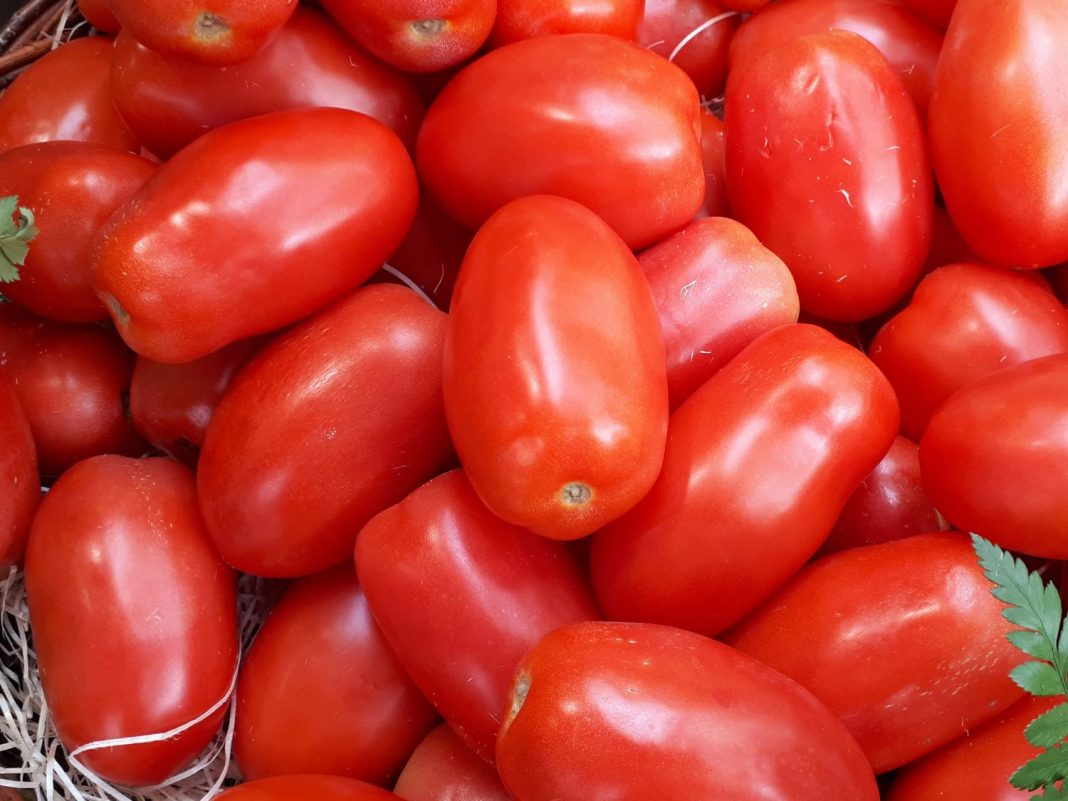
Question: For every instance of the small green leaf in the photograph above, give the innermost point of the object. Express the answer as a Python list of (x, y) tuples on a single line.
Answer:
[(1038, 678), (1052, 793), (1048, 729), (1032, 643), (17, 230), (1045, 769), (8, 206)]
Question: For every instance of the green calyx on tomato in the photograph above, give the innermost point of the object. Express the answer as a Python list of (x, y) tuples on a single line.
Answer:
[(17, 230)]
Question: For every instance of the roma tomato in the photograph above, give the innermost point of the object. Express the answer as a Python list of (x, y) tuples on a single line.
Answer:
[(902, 641), (417, 35), (694, 35), (72, 189), (306, 788), (827, 164), (999, 129), (65, 94), (937, 12), (205, 31), (254, 226), (554, 376), (19, 481), (334, 421), (321, 692), (442, 768), (461, 596), (583, 116), (716, 289), (524, 19), (759, 463), (169, 101), (998, 440), (633, 711), (134, 615), (963, 322), (98, 14), (712, 146), (947, 245)]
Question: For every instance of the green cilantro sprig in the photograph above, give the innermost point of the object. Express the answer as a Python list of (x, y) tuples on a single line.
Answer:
[(17, 230), (1035, 607)]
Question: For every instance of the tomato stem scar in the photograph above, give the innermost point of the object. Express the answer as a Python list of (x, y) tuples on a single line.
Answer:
[(210, 26), (427, 27), (576, 494)]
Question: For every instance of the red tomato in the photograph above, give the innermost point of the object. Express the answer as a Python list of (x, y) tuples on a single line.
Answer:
[(442, 768), (937, 12), (965, 321), (554, 370), (826, 163), (170, 102), (977, 765), (320, 691), (995, 456), (633, 711), (98, 14), (65, 94), (134, 615), (889, 504), (461, 596), (525, 19), (205, 31), (716, 203), (747, 6), (72, 189), (1060, 282), (947, 245), (417, 35), (908, 43), (71, 382), (306, 788), (332, 422), (254, 226), (999, 129), (19, 481), (553, 115), (759, 463), (172, 404), (902, 641), (695, 35), (717, 289)]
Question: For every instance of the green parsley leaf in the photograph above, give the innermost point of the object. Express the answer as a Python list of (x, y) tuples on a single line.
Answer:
[(1048, 767), (1052, 793), (17, 230), (1048, 729)]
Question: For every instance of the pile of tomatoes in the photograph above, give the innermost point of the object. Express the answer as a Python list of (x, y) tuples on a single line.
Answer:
[(481, 293)]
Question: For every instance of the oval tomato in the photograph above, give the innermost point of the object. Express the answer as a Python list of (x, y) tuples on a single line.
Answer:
[(244, 231), (633, 711), (523, 19), (19, 481), (554, 376), (716, 203), (98, 14), (442, 768), (585, 134), (937, 12), (827, 164), (306, 788), (694, 35), (134, 616)]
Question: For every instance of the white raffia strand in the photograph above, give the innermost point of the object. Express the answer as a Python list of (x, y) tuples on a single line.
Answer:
[(704, 26), (28, 736)]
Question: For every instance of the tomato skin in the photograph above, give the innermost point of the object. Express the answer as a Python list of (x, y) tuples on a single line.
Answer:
[(65, 94), (98, 14), (977, 765), (774, 442), (963, 322), (72, 189), (592, 109), (316, 434), (442, 768), (716, 289), (461, 596), (666, 23), (947, 245), (169, 102), (118, 542), (716, 203), (1000, 100), (321, 692), (554, 370), (523, 19), (1002, 438), (417, 35), (306, 788), (937, 12), (633, 711), (907, 670), (909, 44), (19, 480), (249, 250), (826, 162)]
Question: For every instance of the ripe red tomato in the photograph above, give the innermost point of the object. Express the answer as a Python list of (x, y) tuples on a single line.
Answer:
[(65, 94), (716, 203), (332, 422), (937, 12), (999, 100), (553, 115), (98, 14), (205, 31), (306, 788), (169, 101), (461, 596), (254, 226), (633, 711), (716, 289), (995, 456), (525, 19), (19, 481), (321, 692), (947, 245), (72, 189), (902, 641), (694, 35), (827, 164), (759, 463), (554, 376), (442, 768), (134, 615)]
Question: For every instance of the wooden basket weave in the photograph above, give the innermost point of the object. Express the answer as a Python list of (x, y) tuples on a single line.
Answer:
[(34, 29)]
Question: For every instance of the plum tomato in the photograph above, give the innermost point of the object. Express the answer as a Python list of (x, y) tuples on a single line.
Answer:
[(525, 19), (314, 787), (442, 768), (19, 481), (692, 34)]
